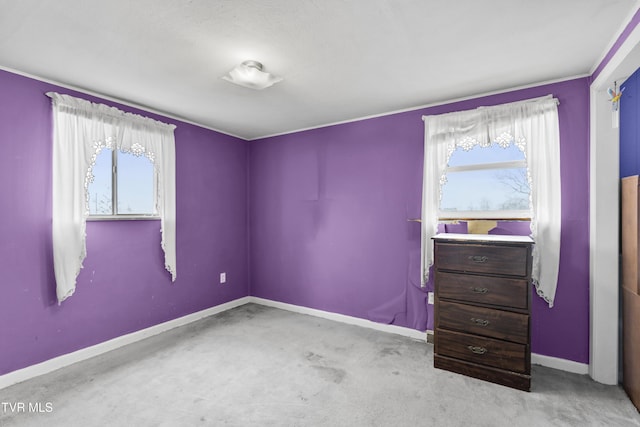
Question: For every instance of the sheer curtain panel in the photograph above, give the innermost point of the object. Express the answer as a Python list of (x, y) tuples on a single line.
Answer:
[(81, 129), (531, 125)]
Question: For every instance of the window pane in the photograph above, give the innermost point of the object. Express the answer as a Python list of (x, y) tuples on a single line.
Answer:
[(486, 190), (479, 155), (135, 185), (100, 189)]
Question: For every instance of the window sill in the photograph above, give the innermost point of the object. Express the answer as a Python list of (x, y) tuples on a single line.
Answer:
[(492, 218), (122, 218), (515, 215)]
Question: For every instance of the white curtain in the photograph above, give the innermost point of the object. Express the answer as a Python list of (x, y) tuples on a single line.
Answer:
[(81, 130), (531, 125)]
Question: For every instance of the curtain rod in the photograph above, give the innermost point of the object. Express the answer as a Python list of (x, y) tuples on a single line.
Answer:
[(117, 114), (484, 107)]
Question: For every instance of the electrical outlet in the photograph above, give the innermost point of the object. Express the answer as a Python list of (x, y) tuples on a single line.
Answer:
[(430, 297), (223, 277)]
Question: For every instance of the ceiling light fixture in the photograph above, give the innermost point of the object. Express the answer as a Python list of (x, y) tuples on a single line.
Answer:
[(249, 74)]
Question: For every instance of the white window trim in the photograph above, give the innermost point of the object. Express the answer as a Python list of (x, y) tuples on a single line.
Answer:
[(512, 164), (506, 215), (123, 217)]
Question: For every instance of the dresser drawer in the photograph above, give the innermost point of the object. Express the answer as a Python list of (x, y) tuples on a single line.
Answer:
[(485, 351), (502, 291), (485, 259), (504, 325)]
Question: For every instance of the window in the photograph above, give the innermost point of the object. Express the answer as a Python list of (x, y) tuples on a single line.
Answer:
[(123, 186), (486, 182), (107, 162), (532, 127)]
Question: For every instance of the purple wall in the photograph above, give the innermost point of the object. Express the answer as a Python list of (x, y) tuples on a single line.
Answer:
[(123, 286), (329, 230), (629, 126)]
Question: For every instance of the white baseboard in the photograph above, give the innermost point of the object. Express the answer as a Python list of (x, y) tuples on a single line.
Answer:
[(104, 347), (399, 330), (536, 359), (86, 353), (561, 364)]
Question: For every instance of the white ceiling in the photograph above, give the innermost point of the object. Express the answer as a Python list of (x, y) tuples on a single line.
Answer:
[(340, 59)]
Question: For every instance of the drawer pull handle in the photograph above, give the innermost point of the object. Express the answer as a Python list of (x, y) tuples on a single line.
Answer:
[(479, 322), (478, 259), (477, 350), (479, 290)]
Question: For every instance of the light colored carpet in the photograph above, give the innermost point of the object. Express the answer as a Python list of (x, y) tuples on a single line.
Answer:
[(260, 366)]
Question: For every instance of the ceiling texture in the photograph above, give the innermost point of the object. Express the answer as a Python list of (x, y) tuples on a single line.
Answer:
[(340, 59)]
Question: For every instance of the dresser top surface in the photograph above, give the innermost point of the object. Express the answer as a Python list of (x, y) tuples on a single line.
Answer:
[(491, 238)]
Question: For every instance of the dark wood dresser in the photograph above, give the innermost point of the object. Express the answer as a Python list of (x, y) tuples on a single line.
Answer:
[(483, 308)]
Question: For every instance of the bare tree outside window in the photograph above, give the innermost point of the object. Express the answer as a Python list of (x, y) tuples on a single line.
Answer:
[(517, 182)]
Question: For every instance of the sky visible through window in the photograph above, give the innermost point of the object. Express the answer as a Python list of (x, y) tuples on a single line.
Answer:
[(489, 189), (135, 182)]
